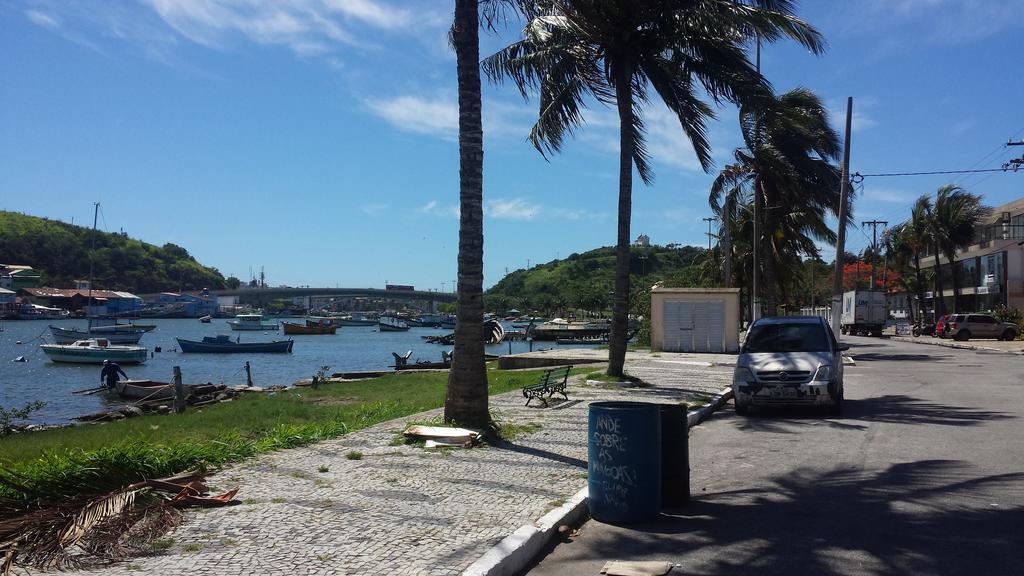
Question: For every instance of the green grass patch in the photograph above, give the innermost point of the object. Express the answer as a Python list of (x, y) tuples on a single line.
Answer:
[(354, 455), (95, 458)]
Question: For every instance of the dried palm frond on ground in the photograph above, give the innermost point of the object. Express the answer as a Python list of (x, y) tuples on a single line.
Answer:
[(96, 529)]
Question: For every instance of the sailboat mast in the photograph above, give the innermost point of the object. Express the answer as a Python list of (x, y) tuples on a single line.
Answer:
[(92, 248)]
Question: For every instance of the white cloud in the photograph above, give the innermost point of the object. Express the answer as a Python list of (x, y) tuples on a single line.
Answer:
[(42, 19), (861, 119), (414, 114), (935, 21), (307, 27), (514, 209), (434, 208), (373, 209)]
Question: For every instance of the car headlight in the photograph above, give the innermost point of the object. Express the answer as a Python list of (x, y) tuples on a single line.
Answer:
[(824, 373), (742, 375)]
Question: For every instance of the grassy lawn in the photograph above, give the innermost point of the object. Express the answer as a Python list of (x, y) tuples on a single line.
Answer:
[(82, 458)]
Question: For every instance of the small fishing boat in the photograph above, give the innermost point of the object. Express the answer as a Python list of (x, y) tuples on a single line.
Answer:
[(96, 327), (355, 320), (206, 319), (391, 324), (94, 351), (144, 390), (72, 335), (222, 344), (308, 328), (251, 322)]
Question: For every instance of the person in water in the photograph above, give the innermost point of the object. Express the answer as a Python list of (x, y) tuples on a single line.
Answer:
[(109, 374)]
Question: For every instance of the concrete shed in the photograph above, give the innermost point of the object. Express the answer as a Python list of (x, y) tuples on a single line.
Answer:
[(695, 319)]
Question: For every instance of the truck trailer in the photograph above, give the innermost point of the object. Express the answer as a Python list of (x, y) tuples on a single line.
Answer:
[(863, 313)]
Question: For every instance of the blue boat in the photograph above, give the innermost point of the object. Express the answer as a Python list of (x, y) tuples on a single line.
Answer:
[(222, 344)]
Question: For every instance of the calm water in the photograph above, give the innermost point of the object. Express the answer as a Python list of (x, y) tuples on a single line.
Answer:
[(353, 348)]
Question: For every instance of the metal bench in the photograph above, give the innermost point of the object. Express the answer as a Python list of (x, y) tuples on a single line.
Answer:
[(551, 382)]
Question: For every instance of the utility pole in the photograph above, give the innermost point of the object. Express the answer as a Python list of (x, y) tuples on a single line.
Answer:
[(709, 220), (755, 304), (844, 191), (874, 245), (726, 244)]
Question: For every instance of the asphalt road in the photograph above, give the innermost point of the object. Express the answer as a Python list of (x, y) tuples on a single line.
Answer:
[(922, 474)]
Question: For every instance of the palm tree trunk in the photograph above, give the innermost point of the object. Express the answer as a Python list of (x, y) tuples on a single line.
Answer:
[(466, 399), (920, 285), (940, 304), (910, 300), (952, 272), (620, 306)]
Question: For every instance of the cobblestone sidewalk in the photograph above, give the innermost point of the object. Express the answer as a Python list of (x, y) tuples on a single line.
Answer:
[(403, 509)]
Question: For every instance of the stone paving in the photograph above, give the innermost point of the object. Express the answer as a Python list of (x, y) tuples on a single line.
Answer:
[(407, 510)]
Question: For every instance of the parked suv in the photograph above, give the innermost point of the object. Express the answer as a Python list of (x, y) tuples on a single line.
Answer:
[(789, 360), (967, 326)]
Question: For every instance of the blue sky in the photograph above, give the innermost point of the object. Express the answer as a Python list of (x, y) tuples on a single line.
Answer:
[(316, 138)]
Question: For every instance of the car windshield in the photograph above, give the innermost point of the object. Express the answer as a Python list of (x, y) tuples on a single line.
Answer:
[(787, 338)]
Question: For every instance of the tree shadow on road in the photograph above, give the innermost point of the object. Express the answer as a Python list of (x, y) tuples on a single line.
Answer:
[(875, 356), (924, 517), (892, 408)]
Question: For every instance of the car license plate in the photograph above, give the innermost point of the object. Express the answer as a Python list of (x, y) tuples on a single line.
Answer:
[(782, 392)]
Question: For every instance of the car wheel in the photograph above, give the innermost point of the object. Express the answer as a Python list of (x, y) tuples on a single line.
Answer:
[(1009, 334), (963, 335), (837, 403)]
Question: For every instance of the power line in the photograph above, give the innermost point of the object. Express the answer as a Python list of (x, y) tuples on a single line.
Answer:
[(858, 177)]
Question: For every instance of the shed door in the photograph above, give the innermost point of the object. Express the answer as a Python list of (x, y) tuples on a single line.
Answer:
[(694, 326), (678, 322), (715, 327)]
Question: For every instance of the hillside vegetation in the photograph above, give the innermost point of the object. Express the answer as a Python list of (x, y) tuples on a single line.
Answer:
[(60, 252), (585, 281)]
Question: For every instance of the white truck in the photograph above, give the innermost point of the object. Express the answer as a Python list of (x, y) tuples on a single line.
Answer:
[(863, 313)]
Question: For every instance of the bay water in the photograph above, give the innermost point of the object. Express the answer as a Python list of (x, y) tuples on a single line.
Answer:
[(353, 348)]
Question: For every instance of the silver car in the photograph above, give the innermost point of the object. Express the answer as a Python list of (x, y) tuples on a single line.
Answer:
[(789, 360)]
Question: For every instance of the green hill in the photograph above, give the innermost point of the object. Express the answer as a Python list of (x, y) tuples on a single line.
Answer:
[(585, 281), (60, 252)]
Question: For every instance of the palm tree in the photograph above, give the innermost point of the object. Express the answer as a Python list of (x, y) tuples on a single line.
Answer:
[(789, 160), (616, 51), (466, 397), (957, 213), (918, 239), (898, 253)]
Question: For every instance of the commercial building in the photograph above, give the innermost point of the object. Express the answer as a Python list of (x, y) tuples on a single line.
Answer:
[(989, 271)]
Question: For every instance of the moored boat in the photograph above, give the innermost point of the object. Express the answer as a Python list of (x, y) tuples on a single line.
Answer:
[(222, 344), (251, 322), (391, 324), (94, 351), (144, 389), (355, 320), (71, 335), (206, 319), (308, 328)]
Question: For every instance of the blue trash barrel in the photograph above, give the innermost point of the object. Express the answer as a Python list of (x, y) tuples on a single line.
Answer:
[(624, 461), (675, 456)]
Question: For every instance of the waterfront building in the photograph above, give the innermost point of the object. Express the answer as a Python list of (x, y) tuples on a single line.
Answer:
[(8, 303), (186, 305), (17, 276), (990, 270), (98, 302)]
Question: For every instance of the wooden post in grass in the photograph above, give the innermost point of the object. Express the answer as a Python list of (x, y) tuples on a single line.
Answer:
[(179, 392), (248, 374)]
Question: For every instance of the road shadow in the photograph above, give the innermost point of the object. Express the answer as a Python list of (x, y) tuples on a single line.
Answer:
[(876, 356), (903, 409), (923, 517)]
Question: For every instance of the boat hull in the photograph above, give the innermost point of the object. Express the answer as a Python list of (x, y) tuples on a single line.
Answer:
[(191, 346), (349, 322), (290, 328), (144, 390), (236, 325), (71, 355), (71, 335)]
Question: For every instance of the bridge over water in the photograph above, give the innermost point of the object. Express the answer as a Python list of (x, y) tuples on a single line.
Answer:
[(346, 298)]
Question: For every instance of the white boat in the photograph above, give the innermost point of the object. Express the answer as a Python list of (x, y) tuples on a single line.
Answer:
[(94, 351), (37, 312), (251, 322)]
